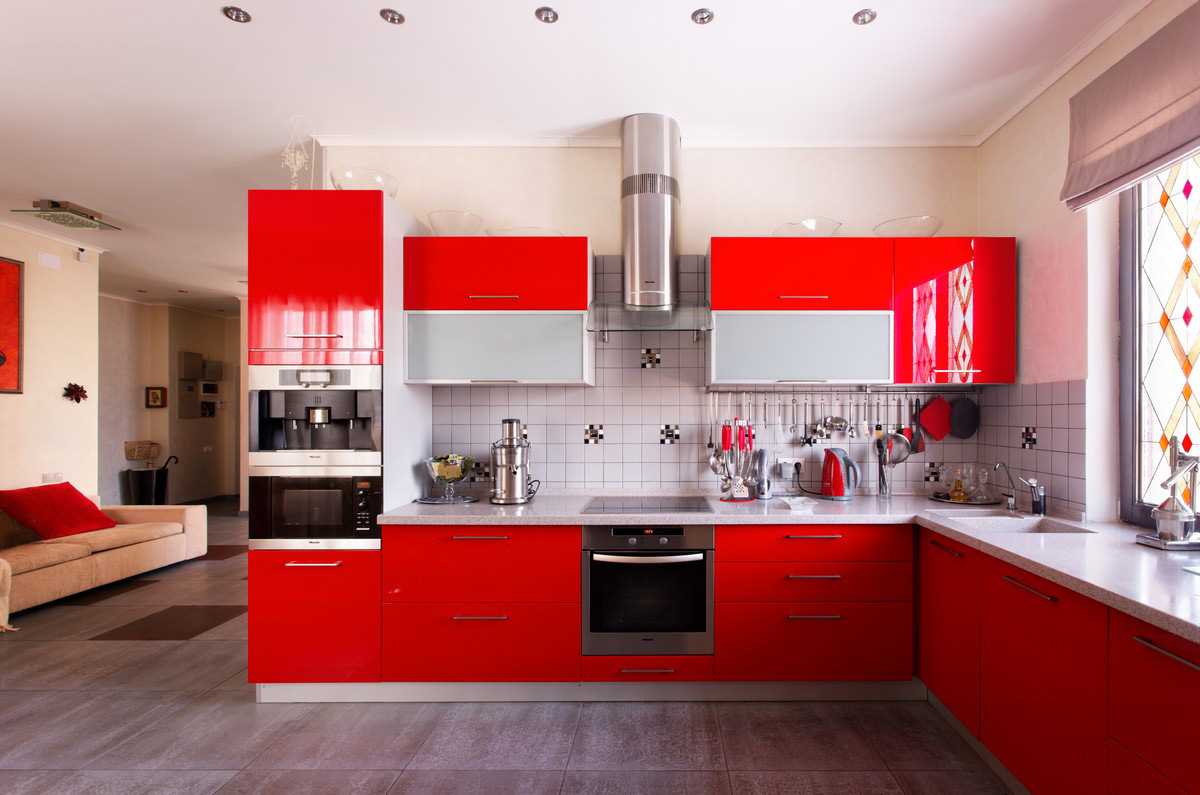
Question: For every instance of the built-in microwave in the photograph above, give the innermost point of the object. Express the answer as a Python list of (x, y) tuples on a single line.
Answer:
[(316, 510)]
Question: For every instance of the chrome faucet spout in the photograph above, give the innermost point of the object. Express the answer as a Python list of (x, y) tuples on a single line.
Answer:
[(1011, 496)]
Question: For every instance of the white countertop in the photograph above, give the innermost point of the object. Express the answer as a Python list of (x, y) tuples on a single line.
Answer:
[(1106, 565)]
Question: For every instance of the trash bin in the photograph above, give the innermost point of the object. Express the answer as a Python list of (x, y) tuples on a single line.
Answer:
[(147, 486)]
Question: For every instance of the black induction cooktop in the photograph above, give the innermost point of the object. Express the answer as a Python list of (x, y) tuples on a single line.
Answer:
[(629, 505)]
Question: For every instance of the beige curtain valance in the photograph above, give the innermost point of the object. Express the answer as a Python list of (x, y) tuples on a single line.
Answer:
[(1139, 116)]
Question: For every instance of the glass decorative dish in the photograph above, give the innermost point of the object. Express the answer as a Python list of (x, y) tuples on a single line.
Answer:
[(816, 226), (361, 178), (446, 470), (910, 226), (449, 223)]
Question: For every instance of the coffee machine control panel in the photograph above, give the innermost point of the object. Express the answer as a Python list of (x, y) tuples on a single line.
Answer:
[(365, 506)]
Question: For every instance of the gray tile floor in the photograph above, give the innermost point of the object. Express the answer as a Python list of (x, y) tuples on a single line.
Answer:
[(129, 716)]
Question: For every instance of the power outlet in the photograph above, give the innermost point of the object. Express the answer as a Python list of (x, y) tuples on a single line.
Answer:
[(788, 467), (208, 448), (52, 477)]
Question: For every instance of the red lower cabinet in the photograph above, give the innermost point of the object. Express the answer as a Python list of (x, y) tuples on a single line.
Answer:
[(481, 642), (814, 641), (1128, 774), (1043, 681), (761, 581), (1154, 694), (680, 668), (314, 616)]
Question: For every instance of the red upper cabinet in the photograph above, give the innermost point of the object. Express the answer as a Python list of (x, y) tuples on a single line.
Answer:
[(316, 277), (496, 273), (956, 310), (782, 273), (948, 624)]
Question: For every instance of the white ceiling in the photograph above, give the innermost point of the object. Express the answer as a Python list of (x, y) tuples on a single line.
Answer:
[(161, 114)]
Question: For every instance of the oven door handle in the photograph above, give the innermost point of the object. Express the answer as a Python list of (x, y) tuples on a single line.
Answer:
[(690, 557)]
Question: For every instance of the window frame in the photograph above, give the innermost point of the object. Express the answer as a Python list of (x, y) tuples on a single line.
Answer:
[(1132, 509)]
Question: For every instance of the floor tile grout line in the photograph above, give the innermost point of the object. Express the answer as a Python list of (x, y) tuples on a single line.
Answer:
[(571, 748), (716, 709)]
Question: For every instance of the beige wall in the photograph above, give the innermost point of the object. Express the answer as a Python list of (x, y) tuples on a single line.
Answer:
[(40, 432), (1021, 171), (725, 191)]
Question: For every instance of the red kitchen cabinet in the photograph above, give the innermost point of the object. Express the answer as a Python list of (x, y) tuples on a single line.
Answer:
[(496, 273), (481, 642), (680, 668), (840, 273), (1128, 774), (1043, 681), (948, 624), (1154, 693), (314, 616), (956, 310), (813, 542), (481, 564), (771, 581), (814, 641), (315, 277)]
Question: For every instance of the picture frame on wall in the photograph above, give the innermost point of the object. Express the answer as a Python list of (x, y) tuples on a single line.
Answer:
[(12, 295), (156, 397)]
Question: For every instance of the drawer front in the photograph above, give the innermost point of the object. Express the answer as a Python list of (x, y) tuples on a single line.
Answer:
[(1128, 774), (1154, 693), (481, 564), (496, 273), (814, 641), (805, 581), (481, 642), (814, 542), (801, 273), (683, 668)]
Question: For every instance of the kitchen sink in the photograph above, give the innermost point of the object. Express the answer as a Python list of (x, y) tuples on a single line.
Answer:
[(1026, 524), (970, 513)]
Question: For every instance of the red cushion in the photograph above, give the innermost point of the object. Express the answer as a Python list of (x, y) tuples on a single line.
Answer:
[(54, 511)]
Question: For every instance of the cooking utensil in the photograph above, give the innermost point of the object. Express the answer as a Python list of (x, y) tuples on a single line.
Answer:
[(964, 417), (918, 437), (935, 418)]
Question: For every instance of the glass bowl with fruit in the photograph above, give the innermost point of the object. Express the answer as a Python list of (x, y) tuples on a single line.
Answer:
[(446, 470)]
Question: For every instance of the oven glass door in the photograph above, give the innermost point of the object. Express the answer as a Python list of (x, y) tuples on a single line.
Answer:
[(648, 602), (306, 507)]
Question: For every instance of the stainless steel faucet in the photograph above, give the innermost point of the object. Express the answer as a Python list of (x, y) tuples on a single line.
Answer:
[(1011, 496), (1175, 519), (1038, 494)]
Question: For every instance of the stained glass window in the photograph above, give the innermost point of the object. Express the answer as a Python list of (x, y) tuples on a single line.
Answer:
[(1168, 319)]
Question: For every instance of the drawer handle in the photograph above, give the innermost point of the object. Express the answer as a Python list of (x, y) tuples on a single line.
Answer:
[(491, 297), (313, 336), (647, 670), (1149, 644), (1034, 591), (804, 298), (296, 564), (960, 370), (814, 576), (480, 538), (946, 549), (480, 618), (831, 537), (814, 618), (802, 380), (690, 557), (492, 381)]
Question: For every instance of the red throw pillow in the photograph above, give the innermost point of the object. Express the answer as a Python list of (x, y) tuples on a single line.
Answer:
[(54, 511)]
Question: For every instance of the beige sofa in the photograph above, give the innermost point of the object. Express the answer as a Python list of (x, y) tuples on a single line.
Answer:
[(146, 537)]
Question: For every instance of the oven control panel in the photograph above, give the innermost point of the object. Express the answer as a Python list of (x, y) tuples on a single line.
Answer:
[(656, 537), (365, 507)]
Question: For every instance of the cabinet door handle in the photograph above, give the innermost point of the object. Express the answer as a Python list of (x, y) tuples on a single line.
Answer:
[(479, 618), (493, 297), (690, 557), (647, 670), (1149, 644), (946, 549), (830, 537), (968, 370), (803, 297), (480, 538), (814, 576), (296, 564), (313, 336), (814, 618), (1014, 581), (492, 381), (802, 380)]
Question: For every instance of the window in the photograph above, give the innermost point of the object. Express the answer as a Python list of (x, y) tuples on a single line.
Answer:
[(1160, 330)]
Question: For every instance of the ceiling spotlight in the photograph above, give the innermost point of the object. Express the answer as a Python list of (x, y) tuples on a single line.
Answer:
[(391, 15), (546, 14), (236, 14), (702, 16), (864, 17)]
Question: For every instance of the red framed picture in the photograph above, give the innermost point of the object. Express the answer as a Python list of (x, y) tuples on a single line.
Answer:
[(11, 294)]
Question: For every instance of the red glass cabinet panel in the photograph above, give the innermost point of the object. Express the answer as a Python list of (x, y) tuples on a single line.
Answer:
[(314, 616), (801, 273), (1043, 681), (1154, 693), (496, 273), (948, 624), (956, 310), (812, 542), (1128, 774), (316, 277), (681, 668)]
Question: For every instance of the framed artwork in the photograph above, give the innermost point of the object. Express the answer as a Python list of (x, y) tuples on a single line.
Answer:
[(156, 397), (11, 338)]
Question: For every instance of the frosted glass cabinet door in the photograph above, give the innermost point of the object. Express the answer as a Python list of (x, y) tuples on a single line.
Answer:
[(772, 347), (533, 347)]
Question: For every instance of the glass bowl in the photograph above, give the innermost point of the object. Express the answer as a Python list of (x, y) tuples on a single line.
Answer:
[(362, 178), (816, 226), (910, 226), (455, 222), (446, 470)]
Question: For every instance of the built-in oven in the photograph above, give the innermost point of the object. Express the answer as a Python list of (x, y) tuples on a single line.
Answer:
[(315, 511), (647, 590)]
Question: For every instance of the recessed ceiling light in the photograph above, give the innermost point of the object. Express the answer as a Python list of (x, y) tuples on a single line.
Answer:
[(236, 14), (391, 15), (546, 14), (864, 17), (702, 16)]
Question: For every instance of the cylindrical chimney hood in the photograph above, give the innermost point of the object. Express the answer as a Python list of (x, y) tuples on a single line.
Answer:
[(650, 210)]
